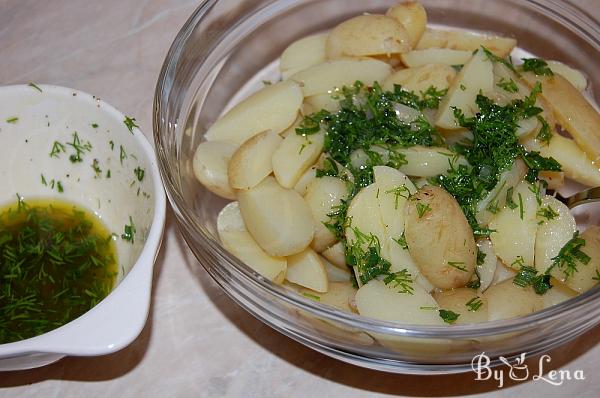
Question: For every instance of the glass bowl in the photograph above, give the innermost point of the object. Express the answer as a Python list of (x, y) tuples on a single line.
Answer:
[(224, 51)]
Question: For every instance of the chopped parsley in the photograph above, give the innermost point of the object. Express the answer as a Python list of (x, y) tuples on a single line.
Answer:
[(139, 173), (528, 276), (422, 209), (537, 66), (129, 232), (459, 265), (544, 135), (35, 86), (130, 123), (508, 85), (474, 304), (448, 316), (569, 256)]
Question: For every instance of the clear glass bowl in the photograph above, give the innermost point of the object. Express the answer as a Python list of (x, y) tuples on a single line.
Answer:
[(223, 46)]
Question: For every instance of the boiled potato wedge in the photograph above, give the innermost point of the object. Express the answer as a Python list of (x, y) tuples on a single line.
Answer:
[(326, 77), (496, 198), (335, 273), (336, 255), (412, 16), (303, 53), (515, 228), (586, 276), (556, 229), (380, 301), (558, 294), (440, 56), (572, 111), (575, 163), (419, 79), (475, 77), (466, 302), (210, 164), (575, 77), (251, 162), (274, 108), (294, 156), (323, 196), (429, 161), (365, 221), (339, 295), (279, 219), (367, 35), (394, 190), (317, 102), (306, 269), (467, 41), (439, 238), (487, 270), (507, 300), (236, 239)]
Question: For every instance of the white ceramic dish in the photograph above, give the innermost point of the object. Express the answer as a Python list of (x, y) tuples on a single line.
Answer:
[(32, 119)]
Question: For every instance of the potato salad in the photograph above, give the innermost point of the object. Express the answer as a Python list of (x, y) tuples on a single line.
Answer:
[(407, 173)]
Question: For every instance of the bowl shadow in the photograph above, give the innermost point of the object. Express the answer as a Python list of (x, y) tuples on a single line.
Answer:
[(105, 367), (369, 380)]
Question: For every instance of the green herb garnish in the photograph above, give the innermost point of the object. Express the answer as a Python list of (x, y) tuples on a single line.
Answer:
[(474, 304), (129, 232), (508, 85), (528, 276), (448, 316), (422, 209), (139, 173), (537, 66), (569, 256), (130, 123), (12, 120), (35, 86)]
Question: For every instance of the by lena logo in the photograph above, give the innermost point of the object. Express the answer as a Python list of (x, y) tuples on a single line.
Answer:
[(518, 370)]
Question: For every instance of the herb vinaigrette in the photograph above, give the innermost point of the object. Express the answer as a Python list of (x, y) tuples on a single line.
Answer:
[(56, 262)]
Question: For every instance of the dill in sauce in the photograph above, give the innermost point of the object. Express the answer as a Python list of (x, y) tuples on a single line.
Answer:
[(56, 262)]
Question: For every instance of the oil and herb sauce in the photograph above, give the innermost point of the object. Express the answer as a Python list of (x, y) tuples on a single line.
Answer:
[(57, 261)]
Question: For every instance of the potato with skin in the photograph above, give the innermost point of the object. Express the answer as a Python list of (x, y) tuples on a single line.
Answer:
[(412, 16), (303, 53), (515, 229), (467, 41), (251, 163), (274, 108), (306, 269), (236, 239), (325, 77), (279, 219), (322, 196), (572, 111), (294, 156), (475, 77), (556, 229), (507, 300), (380, 301), (210, 164), (439, 238), (421, 78), (440, 56), (367, 35), (582, 279), (468, 303)]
